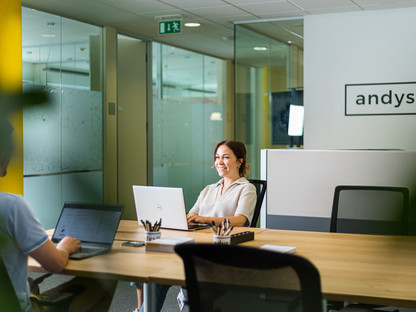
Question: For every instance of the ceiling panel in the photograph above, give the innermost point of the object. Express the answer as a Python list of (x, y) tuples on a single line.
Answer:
[(216, 16), (214, 12), (187, 4), (141, 6), (324, 4), (271, 8)]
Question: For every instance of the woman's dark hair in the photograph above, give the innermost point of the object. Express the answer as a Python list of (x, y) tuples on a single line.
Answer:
[(239, 150)]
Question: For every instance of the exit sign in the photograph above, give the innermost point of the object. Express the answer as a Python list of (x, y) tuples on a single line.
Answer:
[(170, 27)]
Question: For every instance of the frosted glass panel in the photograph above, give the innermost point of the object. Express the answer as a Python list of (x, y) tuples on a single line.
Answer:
[(66, 137), (62, 139), (42, 135), (188, 119), (47, 193), (82, 130)]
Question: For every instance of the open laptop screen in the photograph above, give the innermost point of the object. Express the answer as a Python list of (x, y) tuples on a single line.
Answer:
[(94, 223)]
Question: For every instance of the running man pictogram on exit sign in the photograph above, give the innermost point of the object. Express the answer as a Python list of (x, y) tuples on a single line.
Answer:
[(170, 27)]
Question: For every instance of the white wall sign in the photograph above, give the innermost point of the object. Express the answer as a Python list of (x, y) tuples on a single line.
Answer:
[(380, 99)]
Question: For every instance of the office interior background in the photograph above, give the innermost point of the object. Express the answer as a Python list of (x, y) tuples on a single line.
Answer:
[(127, 108)]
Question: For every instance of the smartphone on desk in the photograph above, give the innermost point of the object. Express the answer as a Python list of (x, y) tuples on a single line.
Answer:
[(133, 243)]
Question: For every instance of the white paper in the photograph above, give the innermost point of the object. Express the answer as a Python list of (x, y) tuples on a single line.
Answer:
[(283, 249)]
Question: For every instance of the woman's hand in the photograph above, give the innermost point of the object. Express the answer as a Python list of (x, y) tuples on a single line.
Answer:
[(190, 217), (193, 217), (238, 220)]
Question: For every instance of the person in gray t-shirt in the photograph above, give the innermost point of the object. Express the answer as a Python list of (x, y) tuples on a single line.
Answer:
[(22, 235)]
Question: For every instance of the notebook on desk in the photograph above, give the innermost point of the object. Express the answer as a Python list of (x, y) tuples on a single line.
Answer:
[(95, 225), (167, 203)]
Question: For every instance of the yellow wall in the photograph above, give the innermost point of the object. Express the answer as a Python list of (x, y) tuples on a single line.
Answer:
[(11, 81)]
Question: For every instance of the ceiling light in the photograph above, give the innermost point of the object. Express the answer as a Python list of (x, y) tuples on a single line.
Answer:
[(48, 35), (228, 38), (216, 116), (171, 17), (260, 48), (192, 24)]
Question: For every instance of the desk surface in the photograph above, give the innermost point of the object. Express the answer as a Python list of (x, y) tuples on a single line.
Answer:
[(364, 268)]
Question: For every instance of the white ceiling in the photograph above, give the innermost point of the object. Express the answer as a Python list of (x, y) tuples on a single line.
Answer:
[(217, 17)]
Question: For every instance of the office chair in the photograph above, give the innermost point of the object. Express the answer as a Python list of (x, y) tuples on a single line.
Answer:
[(379, 210), (370, 210), (55, 302), (236, 278), (261, 186)]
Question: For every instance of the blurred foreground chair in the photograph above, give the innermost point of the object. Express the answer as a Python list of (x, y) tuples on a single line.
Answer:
[(235, 278), (261, 186), (59, 301), (8, 298)]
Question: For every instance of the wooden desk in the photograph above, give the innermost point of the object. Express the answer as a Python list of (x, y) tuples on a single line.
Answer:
[(365, 268), (370, 269)]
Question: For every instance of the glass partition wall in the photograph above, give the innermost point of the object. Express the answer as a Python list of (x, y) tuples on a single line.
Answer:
[(62, 140), (268, 79), (188, 118)]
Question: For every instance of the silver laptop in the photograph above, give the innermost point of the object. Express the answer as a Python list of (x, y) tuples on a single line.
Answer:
[(155, 202), (95, 225)]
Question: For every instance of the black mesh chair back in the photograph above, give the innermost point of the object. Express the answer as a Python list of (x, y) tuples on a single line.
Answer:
[(57, 301), (236, 279), (261, 186), (370, 210)]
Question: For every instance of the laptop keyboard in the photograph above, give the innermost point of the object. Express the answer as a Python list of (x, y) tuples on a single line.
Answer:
[(193, 225), (86, 251)]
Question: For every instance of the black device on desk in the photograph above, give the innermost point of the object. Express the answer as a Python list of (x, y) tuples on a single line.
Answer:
[(241, 237)]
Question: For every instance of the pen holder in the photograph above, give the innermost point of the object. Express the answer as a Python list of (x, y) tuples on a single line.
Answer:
[(222, 239), (149, 236)]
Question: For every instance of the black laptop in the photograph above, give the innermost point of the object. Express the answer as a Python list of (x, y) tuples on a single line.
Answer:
[(95, 225)]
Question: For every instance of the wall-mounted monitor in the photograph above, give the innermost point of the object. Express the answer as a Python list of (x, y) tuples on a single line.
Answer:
[(296, 116)]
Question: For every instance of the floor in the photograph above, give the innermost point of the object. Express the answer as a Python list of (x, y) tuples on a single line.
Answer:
[(125, 298)]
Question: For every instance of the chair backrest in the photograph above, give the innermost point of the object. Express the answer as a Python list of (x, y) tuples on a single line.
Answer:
[(261, 186), (237, 278), (8, 298), (370, 210)]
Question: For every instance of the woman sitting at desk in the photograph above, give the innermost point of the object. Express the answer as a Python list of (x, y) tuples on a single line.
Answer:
[(232, 197)]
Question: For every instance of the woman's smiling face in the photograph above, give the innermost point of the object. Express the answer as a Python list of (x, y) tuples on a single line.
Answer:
[(226, 163)]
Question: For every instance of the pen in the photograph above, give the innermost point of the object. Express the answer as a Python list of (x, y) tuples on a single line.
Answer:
[(228, 230), (213, 227)]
